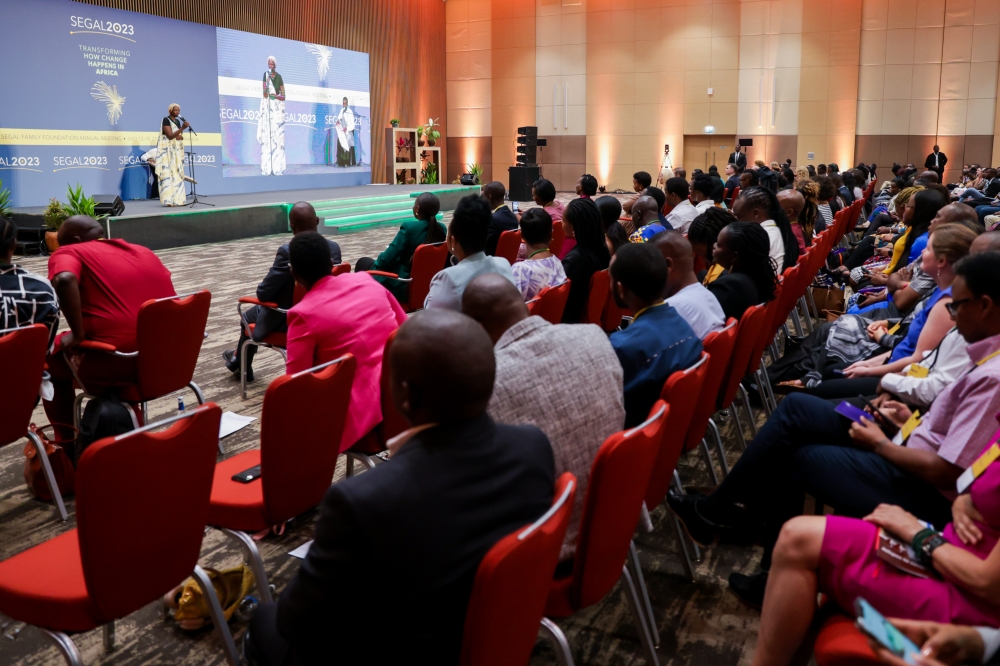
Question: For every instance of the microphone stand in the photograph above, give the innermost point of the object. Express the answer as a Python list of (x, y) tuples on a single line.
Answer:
[(194, 182)]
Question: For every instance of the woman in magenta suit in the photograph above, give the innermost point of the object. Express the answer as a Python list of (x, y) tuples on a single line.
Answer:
[(837, 556), (346, 314)]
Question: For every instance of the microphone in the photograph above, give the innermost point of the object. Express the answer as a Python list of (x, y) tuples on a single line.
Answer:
[(184, 120)]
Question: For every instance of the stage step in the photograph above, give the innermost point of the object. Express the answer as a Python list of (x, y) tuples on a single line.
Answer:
[(340, 216)]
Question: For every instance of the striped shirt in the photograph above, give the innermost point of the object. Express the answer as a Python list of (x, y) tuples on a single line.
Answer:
[(26, 299)]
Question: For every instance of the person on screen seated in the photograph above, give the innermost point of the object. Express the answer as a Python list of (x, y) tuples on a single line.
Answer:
[(645, 220), (503, 218), (456, 484), (101, 285), (346, 314), (576, 399), (658, 342), (742, 249), (398, 257), (700, 309), (582, 222), (541, 268), (466, 240), (277, 287)]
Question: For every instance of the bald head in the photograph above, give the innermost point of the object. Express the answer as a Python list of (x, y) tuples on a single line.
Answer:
[(930, 177), (645, 211), (495, 303), (79, 229), (442, 368), (303, 218), (987, 242), (677, 251), (792, 202), (955, 212), (494, 192)]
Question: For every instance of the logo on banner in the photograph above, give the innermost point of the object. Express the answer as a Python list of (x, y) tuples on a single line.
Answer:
[(87, 162), (20, 163), (109, 28), (323, 54), (102, 92)]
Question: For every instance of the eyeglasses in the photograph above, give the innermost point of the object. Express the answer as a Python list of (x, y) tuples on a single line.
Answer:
[(953, 306)]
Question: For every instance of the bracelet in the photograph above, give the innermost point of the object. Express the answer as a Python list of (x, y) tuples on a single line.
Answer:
[(918, 540)]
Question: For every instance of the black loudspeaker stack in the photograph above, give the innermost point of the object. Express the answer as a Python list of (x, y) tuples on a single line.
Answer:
[(521, 179), (527, 146), (108, 204)]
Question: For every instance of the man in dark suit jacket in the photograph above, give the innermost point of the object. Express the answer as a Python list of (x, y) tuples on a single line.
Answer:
[(397, 548), (503, 218), (278, 286), (936, 161), (738, 158)]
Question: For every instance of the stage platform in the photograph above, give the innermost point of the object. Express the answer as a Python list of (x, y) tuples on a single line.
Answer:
[(234, 216)]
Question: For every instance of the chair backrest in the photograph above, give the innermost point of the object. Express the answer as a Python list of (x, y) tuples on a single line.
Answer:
[(772, 321), (340, 269), (22, 357), (301, 424), (747, 333), (169, 335), (508, 245), (428, 260), (299, 291), (550, 302), (393, 422), (682, 391), (719, 346), (512, 585), (558, 237), (615, 492), (141, 508), (597, 297), (736, 193)]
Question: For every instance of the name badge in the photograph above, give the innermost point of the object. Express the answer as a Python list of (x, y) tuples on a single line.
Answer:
[(918, 371), (978, 467), (893, 330), (910, 425)]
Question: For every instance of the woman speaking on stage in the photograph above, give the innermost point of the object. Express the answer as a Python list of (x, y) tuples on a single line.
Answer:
[(170, 158), (271, 122)]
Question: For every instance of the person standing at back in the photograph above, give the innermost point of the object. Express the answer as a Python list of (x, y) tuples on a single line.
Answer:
[(503, 218), (455, 485)]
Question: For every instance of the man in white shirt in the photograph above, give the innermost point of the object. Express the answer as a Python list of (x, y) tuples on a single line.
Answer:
[(684, 212), (753, 206), (701, 193), (684, 292)]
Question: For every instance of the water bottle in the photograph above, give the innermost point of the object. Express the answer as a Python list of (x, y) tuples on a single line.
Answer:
[(180, 404)]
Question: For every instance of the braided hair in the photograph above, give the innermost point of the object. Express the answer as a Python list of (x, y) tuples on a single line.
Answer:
[(751, 243), (583, 216), (763, 198), (8, 234), (706, 227), (807, 218)]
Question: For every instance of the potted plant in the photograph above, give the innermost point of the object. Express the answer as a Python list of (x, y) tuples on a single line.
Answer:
[(420, 136), (429, 131), (54, 215), (476, 169), (403, 144), (394, 122), (433, 137), (429, 174), (4, 201)]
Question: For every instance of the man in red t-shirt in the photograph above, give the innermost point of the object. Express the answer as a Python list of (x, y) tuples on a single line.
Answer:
[(101, 284)]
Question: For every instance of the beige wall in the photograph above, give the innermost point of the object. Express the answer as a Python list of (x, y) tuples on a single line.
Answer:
[(468, 47)]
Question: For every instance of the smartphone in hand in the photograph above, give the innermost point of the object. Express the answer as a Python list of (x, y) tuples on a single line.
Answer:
[(873, 624)]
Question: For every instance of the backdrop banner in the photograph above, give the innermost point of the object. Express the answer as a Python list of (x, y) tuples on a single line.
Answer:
[(93, 85)]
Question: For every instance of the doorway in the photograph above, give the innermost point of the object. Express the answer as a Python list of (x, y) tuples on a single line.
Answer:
[(704, 150)]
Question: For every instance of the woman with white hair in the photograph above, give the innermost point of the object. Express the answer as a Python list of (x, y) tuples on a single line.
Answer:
[(271, 122), (170, 158)]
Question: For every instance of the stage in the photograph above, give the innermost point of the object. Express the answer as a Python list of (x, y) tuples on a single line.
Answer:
[(234, 216)]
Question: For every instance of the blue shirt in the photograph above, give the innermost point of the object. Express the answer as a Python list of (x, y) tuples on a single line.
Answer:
[(449, 284), (654, 346), (908, 344)]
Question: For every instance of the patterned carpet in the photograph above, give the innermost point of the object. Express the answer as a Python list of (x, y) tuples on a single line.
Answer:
[(701, 623)]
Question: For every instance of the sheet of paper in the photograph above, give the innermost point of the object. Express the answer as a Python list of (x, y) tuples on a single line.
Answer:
[(231, 422), (302, 550)]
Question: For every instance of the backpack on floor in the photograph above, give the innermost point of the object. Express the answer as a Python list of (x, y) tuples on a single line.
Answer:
[(106, 416)]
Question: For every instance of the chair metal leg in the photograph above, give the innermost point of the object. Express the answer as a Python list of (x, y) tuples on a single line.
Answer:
[(806, 314), (719, 448), (645, 520), (686, 561), (797, 322), (739, 426), (243, 367), (812, 304), (78, 409), (256, 562), (66, 646), (367, 461), (50, 478), (218, 618), (349, 466), (628, 587), (746, 405), (564, 655), (632, 562), (197, 392), (707, 455), (679, 487), (144, 409), (109, 636)]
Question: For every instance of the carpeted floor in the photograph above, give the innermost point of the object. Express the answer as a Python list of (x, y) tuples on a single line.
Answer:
[(701, 623)]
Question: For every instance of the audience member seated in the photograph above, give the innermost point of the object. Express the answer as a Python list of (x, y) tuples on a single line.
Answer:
[(277, 287), (397, 258), (615, 232), (586, 187), (541, 268), (826, 193), (466, 241), (732, 178), (582, 222), (682, 211), (748, 179), (661, 203), (760, 205), (645, 220), (809, 214), (101, 284), (575, 398), (456, 483), (640, 181), (702, 193), (543, 193), (658, 342), (700, 309), (742, 249), (503, 218), (702, 234), (792, 202), (804, 448), (25, 298), (346, 314)]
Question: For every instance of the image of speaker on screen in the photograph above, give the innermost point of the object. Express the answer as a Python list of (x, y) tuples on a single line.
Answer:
[(346, 124), (271, 122)]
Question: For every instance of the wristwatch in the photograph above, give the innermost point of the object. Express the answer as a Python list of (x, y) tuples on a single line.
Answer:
[(927, 548)]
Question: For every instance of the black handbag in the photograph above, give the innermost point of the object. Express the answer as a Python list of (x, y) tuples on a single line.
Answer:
[(106, 416)]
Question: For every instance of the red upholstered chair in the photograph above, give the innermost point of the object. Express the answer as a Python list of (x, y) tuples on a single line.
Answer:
[(428, 260), (605, 553), (508, 245), (340, 269), (558, 237), (133, 542), (550, 302), (169, 334), (597, 297), (512, 583), (748, 331), (22, 356), (301, 424), (719, 346), (841, 643)]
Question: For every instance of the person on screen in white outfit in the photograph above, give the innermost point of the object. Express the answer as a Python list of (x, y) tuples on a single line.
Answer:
[(271, 122), (346, 125)]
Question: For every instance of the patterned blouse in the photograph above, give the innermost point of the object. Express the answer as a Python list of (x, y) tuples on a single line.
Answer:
[(533, 275)]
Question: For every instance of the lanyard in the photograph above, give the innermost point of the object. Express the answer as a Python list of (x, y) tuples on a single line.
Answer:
[(983, 360), (649, 307), (537, 252)]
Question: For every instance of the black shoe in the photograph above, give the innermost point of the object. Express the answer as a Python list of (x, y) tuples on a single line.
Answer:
[(750, 589), (233, 365), (685, 507)]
